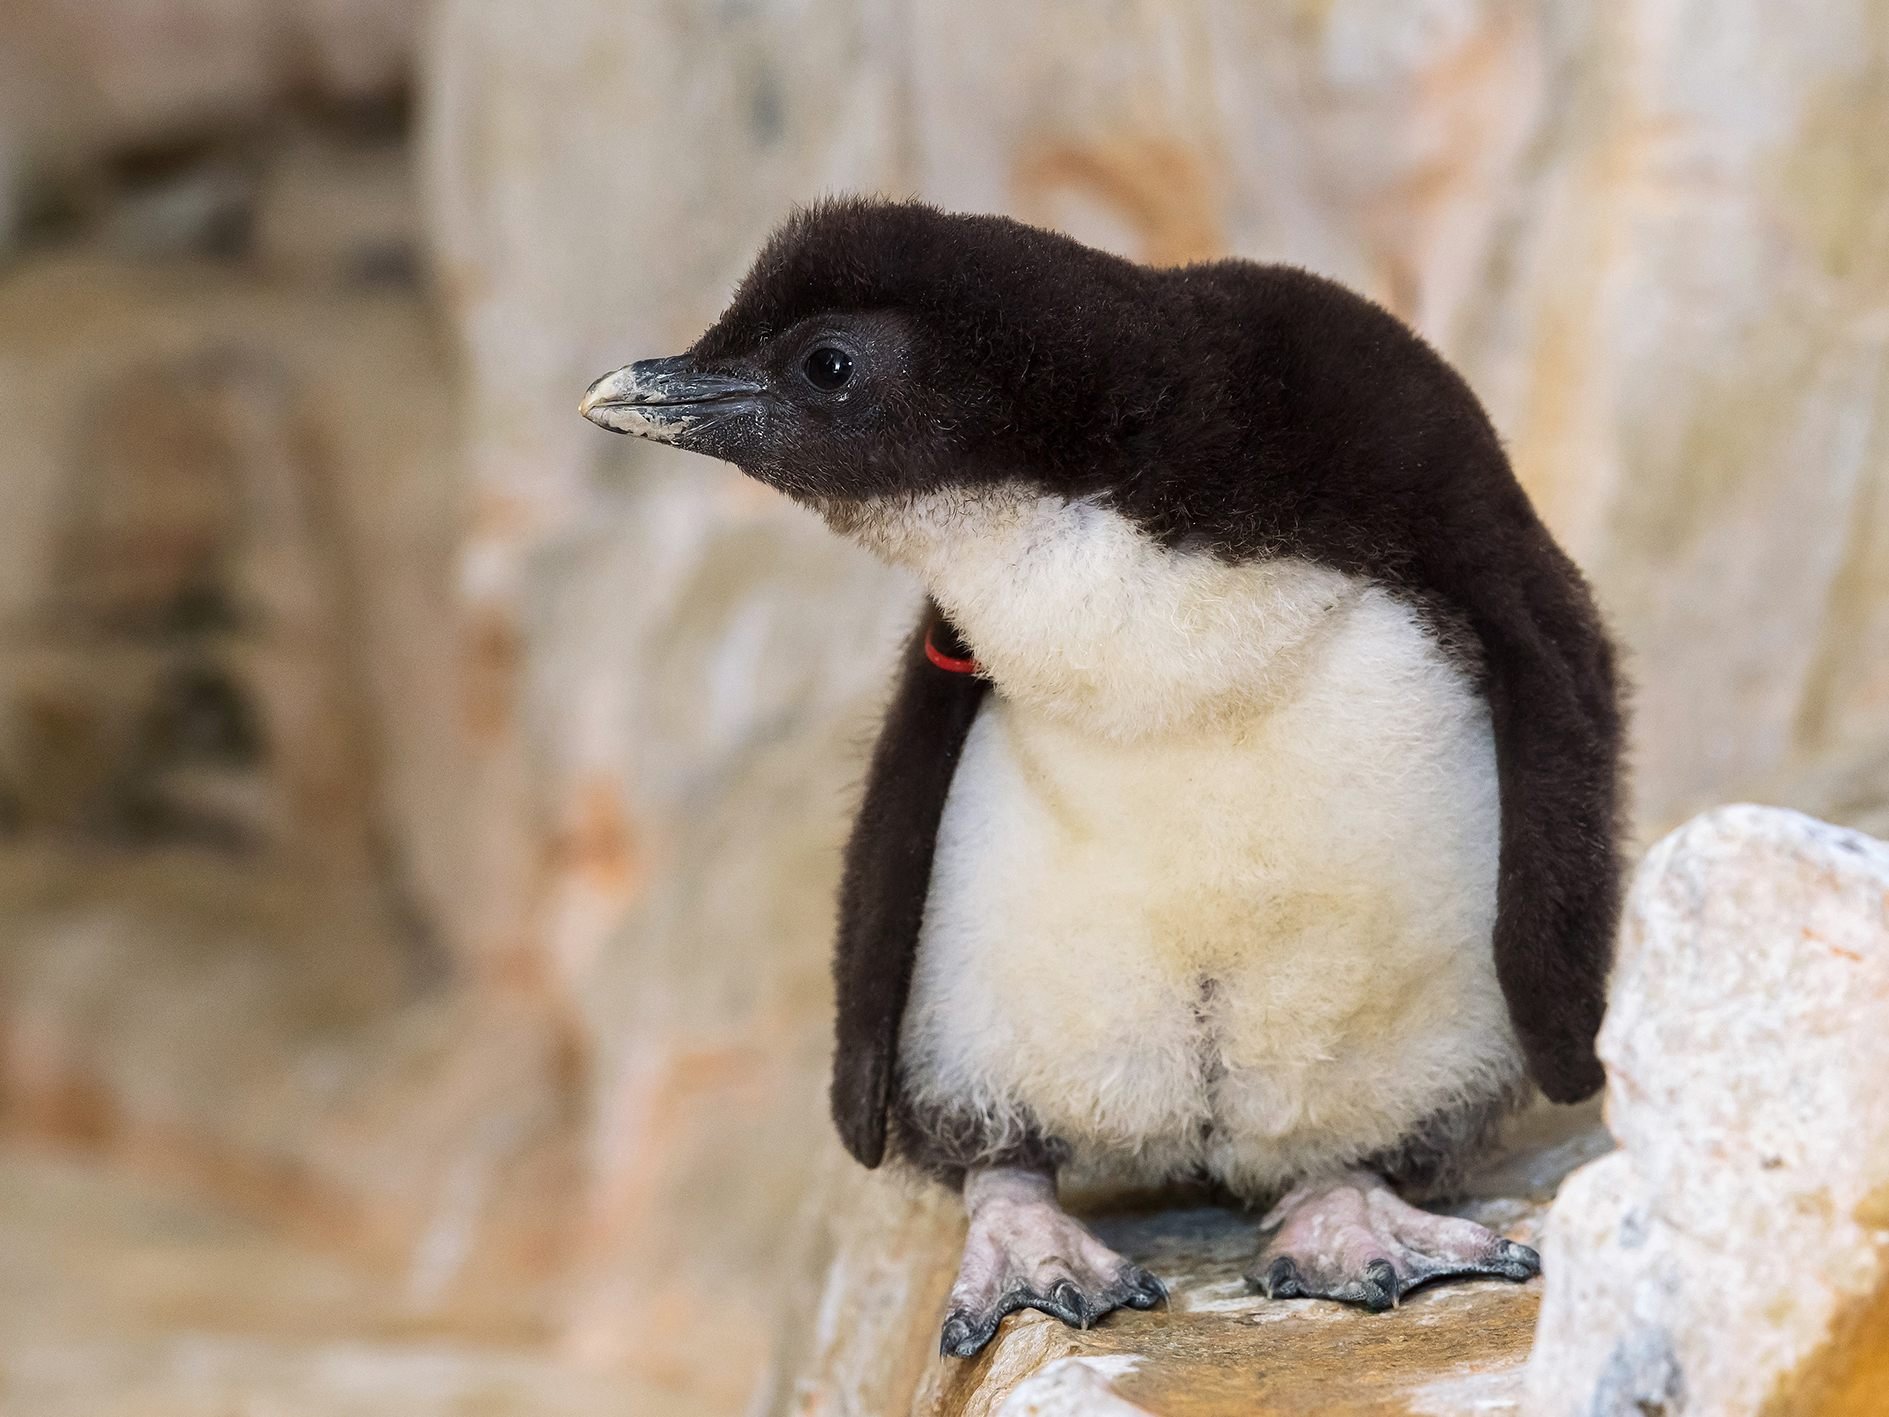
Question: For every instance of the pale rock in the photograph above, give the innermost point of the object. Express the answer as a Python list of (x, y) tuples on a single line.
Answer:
[(1733, 1255), (1681, 328), (707, 1130), (79, 77), (670, 670), (636, 619), (859, 1330), (300, 445), (230, 946), (1072, 1387), (125, 1295), (339, 212)]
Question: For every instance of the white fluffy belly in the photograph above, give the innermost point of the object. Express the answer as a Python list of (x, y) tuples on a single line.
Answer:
[(1259, 944)]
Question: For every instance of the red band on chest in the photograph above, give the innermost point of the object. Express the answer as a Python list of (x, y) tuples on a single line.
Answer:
[(950, 663)]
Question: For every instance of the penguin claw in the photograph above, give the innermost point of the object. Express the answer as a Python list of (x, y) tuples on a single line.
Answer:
[(962, 1337), (1144, 1291), (966, 1331), (1282, 1280), (1023, 1251), (1378, 1290), (1518, 1261), (1067, 1303)]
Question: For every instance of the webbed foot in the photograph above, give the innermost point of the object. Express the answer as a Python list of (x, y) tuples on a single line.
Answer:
[(1024, 1252), (1354, 1240)]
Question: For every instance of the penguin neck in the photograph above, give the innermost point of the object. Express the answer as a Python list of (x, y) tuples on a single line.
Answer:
[(1075, 612)]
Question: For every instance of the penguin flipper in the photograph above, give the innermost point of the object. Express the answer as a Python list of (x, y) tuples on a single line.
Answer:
[(886, 878), (1555, 708)]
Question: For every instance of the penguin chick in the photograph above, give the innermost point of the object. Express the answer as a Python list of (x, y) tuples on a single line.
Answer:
[(1246, 806)]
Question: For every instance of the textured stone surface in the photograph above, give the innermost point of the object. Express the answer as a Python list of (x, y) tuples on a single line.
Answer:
[(866, 1338), (123, 1296), (1733, 1256), (1681, 330), (229, 850), (269, 1039), (210, 476), (330, 212), (667, 667), (1221, 1350), (79, 76)]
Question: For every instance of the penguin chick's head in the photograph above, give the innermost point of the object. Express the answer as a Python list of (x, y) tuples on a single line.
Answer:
[(884, 348)]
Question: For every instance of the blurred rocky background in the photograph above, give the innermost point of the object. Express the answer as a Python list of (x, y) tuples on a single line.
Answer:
[(419, 810)]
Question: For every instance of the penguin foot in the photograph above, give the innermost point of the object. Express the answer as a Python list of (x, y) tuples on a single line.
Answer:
[(1024, 1252), (1352, 1239)]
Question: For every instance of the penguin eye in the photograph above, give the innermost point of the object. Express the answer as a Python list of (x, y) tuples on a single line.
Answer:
[(828, 368)]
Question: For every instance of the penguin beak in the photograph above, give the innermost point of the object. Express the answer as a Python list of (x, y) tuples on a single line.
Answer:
[(668, 400)]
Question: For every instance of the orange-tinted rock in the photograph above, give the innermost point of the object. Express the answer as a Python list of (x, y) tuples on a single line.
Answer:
[(865, 1339)]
